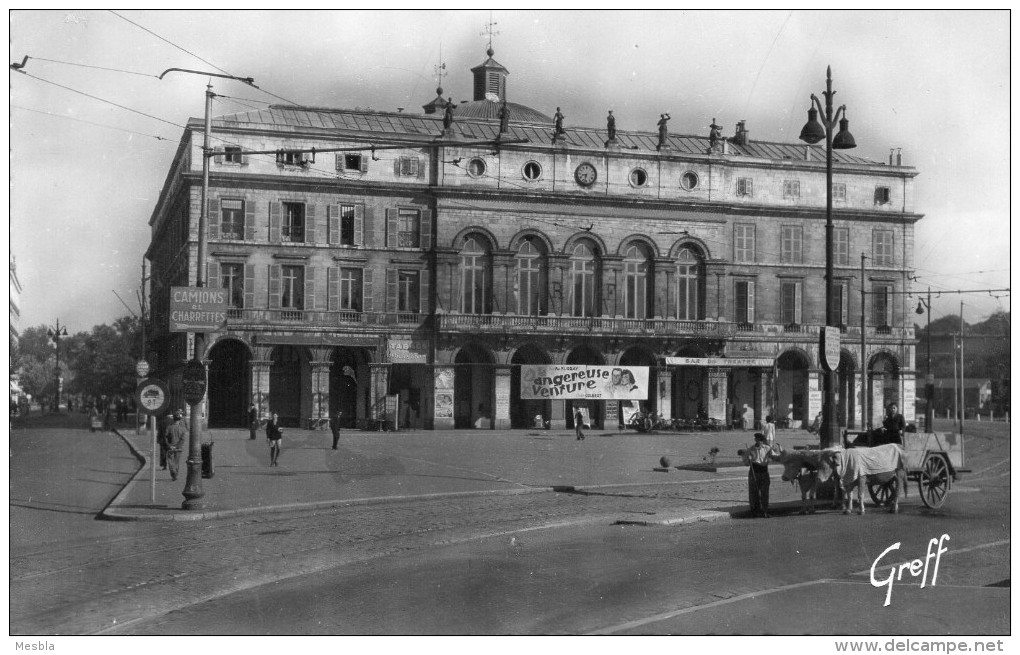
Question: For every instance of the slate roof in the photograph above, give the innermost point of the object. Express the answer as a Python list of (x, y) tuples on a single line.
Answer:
[(476, 122)]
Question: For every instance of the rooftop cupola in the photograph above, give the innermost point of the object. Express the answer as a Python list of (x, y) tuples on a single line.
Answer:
[(490, 79)]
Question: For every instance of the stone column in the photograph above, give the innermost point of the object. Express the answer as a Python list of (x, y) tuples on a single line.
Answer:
[(320, 389), (762, 401), (558, 420), (260, 366), (443, 400), (665, 391), (379, 383), (501, 413), (715, 393), (502, 284)]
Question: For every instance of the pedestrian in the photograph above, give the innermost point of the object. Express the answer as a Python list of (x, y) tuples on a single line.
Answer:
[(334, 426), (578, 425), (758, 481), (108, 417), (274, 435), (253, 421), (747, 419), (163, 424), (176, 435), (770, 429)]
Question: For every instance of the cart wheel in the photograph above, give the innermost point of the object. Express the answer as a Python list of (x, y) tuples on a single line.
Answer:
[(934, 482), (881, 493)]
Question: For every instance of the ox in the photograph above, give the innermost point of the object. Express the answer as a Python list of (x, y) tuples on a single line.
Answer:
[(880, 465), (810, 469)]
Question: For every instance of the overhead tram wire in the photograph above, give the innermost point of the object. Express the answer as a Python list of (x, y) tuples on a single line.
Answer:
[(81, 120), (104, 68)]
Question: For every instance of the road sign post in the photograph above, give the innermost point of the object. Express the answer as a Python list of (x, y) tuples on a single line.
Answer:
[(193, 379), (153, 399)]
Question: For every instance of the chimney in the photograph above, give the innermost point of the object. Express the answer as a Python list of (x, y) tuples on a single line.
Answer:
[(740, 138), (891, 156), (899, 157), (807, 153)]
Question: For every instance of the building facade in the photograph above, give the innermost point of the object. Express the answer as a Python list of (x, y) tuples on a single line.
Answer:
[(428, 257)]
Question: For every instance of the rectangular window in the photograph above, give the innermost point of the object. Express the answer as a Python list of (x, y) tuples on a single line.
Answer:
[(743, 243), (352, 161), (883, 247), (231, 219), (838, 192), (791, 300), (881, 305), (409, 166), (843, 303), (791, 188), (351, 289), (882, 195), (293, 228), (290, 157), (745, 186), (792, 245), (292, 292), (743, 301), (409, 228), (407, 291), (232, 279), (347, 225), (841, 246), (232, 155)]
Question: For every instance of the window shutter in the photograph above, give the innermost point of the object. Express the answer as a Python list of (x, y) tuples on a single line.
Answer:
[(249, 285), (364, 163), (426, 229), (391, 228), (369, 215), (421, 168), (339, 161), (218, 157), (311, 302), (748, 187), (275, 273), (332, 224), (396, 165), (244, 159), (310, 223), (391, 290), (213, 218), (359, 225), (212, 274), (367, 290), (332, 289), (750, 302), (249, 220), (423, 292), (275, 209), (797, 303)]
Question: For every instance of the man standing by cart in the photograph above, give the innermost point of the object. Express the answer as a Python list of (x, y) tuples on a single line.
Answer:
[(758, 481)]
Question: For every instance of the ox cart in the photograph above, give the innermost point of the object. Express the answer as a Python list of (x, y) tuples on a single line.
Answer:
[(933, 459)]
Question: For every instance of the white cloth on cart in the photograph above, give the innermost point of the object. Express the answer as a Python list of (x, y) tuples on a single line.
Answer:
[(855, 462)]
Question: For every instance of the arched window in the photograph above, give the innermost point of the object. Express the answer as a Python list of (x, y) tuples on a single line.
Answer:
[(689, 285), (530, 287), (635, 278), (583, 280), (474, 270)]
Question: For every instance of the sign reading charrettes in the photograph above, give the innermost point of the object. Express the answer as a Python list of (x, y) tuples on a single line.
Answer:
[(197, 309), (588, 382)]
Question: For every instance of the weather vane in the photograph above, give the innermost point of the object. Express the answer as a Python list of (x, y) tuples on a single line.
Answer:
[(490, 31), (440, 68)]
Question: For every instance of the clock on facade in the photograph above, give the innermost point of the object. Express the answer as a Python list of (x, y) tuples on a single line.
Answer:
[(585, 174)]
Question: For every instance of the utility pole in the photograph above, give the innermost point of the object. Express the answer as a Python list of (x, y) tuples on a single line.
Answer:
[(864, 355), (963, 396), (956, 390), (193, 486)]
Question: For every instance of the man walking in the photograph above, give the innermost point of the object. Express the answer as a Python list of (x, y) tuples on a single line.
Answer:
[(334, 426), (579, 425), (253, 422), (176, 435)]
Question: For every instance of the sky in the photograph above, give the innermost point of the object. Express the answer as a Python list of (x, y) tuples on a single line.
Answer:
[(93, 130)]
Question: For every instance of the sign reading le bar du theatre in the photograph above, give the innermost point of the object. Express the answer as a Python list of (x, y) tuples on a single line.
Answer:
[(197, 309)]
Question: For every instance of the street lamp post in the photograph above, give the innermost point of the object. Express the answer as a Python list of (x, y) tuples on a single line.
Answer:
[(55, 335), (924, 306), (812, 133), (193, 486)]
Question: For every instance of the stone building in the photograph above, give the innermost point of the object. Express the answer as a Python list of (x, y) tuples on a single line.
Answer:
[(427, 257)]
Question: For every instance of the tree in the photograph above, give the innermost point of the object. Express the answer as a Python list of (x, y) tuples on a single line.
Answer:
[(104, 361)]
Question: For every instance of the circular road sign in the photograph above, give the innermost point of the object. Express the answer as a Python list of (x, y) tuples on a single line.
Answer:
[(152, 396), (193, 379), (142, 368)]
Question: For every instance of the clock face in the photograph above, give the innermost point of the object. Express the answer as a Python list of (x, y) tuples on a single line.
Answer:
[(585, 174)]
